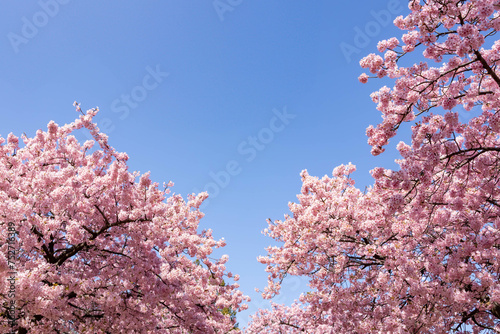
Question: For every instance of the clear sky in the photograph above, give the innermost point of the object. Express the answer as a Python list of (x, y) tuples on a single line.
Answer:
[(234, 97)]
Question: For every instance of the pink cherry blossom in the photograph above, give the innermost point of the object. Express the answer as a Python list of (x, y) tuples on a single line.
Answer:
[(101, 249), (363, 78), (419, 251)]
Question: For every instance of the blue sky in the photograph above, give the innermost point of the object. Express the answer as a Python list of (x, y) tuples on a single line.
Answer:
[(235, 97)]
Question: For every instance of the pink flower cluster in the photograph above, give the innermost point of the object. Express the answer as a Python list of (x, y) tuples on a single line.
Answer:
[(99, 252), (419, 251), (449, 32)]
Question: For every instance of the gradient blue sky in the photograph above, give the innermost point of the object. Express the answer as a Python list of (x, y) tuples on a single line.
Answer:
[(229, 73)]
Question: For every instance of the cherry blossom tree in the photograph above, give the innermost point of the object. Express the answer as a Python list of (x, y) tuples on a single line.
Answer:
[(99, 249), (419, 251)]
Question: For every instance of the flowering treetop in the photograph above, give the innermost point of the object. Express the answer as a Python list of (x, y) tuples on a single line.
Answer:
[(419, 251), (457, 34), (99, 251)]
